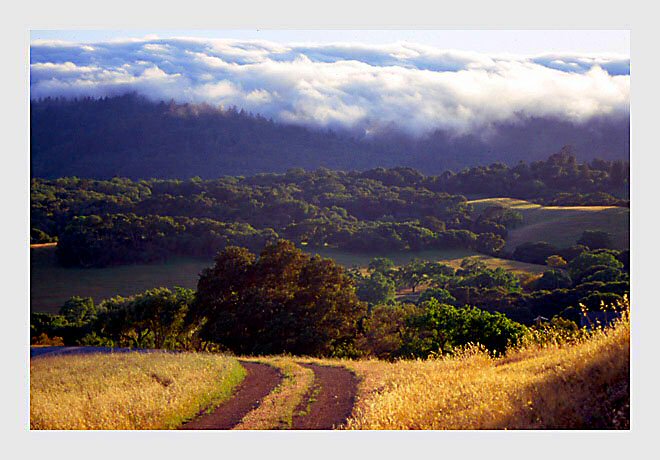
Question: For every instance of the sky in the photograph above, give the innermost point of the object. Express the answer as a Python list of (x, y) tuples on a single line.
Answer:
[(418, 81)]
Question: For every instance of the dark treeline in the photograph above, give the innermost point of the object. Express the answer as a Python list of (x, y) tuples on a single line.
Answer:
[(131, 136), (105, 222)]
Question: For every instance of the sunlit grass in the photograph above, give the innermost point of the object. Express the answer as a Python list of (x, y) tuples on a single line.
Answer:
[(561, 225), (127, 391), (577, 386)]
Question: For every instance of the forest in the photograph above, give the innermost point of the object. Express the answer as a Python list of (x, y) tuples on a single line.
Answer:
[(131, 136), (119, 221)]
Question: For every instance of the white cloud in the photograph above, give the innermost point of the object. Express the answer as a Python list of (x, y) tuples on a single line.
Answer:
[(368, 87)]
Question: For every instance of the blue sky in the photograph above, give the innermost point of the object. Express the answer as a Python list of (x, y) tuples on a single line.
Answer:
[(491, 41)]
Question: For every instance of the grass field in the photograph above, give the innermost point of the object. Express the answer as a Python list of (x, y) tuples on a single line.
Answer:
[(574, 385), (51, 285), (579, 386), (562, 225), (127, 391), (452, 258)]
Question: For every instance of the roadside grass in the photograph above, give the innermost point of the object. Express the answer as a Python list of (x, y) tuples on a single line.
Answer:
[(583, 385), (128, 391), (561, 226), (278, 408)]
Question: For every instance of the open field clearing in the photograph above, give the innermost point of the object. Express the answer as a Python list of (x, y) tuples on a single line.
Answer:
[(452, 258), (127, 391), (51, 285), (578, 386), (562, 226)]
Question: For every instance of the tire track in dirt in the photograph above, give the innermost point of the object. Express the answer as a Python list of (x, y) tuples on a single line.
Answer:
[(261, 379), (330, 400)]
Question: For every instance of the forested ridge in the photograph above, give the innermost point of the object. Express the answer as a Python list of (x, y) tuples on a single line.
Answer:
[(106, 222), (130, 136)]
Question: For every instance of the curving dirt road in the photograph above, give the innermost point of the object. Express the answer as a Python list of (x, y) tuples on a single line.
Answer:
[(261, 379), (330, 401)]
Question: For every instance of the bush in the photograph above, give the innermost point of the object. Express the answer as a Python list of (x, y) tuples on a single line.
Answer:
[(534, 252), (595, 239), (44, 340), (554, 279), (442, 328)]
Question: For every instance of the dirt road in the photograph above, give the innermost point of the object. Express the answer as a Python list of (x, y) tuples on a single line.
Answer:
[(330, 401), (261, 379)]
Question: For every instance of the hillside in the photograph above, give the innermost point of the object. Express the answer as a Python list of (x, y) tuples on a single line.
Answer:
[(561, 226), (133, 137)]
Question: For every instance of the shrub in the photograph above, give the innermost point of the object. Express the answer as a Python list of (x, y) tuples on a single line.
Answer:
[(595, 239), (442, 328)]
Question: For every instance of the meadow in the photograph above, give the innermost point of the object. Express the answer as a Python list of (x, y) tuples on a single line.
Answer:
[(127, 391), (561, 226), (51, 284)]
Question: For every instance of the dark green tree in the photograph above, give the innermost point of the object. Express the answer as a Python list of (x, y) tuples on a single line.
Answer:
[(286, 301)]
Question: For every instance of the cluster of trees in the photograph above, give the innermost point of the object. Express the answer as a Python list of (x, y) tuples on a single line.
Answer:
[(282, 301), (287, 301), (95, 241), (587, 278), (375, 210), (538, 252), (99, 223)]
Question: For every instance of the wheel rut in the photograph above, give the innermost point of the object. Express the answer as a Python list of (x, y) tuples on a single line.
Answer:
[(329, 402), (261, 379)]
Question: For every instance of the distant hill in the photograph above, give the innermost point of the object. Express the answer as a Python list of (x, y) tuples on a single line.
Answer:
[(133, 137)]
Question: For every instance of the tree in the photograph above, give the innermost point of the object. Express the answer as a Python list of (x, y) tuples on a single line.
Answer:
[(489, 243), (534, 252), (585, 262), (162, 312), (381, 264), (412, 274), (376, 289), (285, 301), (441, 295), (595, 239), (554, 279), (78, 310)]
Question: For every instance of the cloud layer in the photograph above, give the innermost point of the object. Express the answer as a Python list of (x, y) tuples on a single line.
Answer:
[(368, 88)]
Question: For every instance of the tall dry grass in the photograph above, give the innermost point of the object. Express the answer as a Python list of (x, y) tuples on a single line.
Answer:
[(581, 385), (127, 391)]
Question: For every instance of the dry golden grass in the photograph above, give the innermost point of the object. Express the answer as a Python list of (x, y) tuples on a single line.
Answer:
[(578, 386), (561, 225), (127, 391), (277, 409)]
